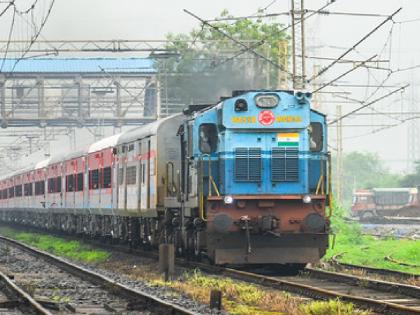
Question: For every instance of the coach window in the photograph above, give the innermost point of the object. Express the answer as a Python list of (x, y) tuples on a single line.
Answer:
[(107, 177), (27, 189), (11, 192), (208, 138), (316, 137), (50, 185), (39, 188), (18, 190), (58, 183), (94, 179), (70, 183), (79, 186), (131, 175)]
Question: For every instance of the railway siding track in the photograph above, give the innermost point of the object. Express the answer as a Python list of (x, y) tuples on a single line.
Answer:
[(381, 298), (142, 300), (384, 272), (385, 286)]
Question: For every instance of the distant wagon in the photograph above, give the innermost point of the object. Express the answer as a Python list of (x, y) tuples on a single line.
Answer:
[(385, 202)]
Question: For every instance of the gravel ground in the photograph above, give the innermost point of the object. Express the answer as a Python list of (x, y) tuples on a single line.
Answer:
[(131, 270), (395, 230), (63, 292), (7, 310), (53, 283)]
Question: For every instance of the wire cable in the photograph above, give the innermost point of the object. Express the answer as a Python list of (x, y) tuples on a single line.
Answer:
[(8, 40)]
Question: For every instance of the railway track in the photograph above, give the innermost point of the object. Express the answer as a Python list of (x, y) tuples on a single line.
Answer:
[(380, 296), (339, 266), (14, 300), (75, 290)]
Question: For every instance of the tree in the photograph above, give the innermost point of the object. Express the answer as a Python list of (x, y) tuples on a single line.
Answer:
[(412, 180), (204, 69)]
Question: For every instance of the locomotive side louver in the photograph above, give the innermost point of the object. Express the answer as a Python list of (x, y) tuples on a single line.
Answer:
[(248, 164), (285, 164)]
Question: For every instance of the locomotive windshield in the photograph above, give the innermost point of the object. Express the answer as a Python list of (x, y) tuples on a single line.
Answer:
[(208, 138), (315, 136)]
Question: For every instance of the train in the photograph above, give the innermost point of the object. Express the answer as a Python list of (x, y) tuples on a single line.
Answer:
[(379, 203), (244, 181)]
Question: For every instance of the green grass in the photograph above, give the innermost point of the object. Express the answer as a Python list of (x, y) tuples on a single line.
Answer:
[(354, 248), (241, 298), (58, 246)]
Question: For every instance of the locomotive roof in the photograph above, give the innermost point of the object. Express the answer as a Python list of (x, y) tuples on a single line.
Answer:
[(145, 130)]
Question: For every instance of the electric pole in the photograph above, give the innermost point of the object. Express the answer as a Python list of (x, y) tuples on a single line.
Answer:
[(339, 158), (298, 44)]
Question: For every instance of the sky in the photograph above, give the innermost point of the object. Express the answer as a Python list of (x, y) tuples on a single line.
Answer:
[(326, 36)]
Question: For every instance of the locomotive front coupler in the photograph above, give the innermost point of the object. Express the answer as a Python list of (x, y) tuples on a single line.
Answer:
[(244, 223)]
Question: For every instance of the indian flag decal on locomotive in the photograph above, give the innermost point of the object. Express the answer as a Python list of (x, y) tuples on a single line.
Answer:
[(288, 139)]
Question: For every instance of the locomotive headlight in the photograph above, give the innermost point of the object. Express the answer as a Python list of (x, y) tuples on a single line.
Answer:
[(307, 199), (267, 100), (228, 200)]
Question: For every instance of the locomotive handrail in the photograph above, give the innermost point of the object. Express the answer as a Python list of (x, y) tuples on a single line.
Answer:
[(320, 185), (211, 183), (329, 186)]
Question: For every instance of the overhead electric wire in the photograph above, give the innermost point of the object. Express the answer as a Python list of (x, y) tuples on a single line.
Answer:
[(216, 28), (9, 38), (344, 74), (269, 15), (408, 21), (262, 41), (29, 9), (366, 105), (325, 69), (35, 37)]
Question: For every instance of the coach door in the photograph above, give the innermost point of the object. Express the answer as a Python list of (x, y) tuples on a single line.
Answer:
[(145, 174), (122, 162)]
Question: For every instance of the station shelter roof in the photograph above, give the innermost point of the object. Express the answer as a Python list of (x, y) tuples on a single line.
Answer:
[(80, 65)]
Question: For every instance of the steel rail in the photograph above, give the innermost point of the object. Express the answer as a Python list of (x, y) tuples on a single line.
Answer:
[(384, 286), (26, 303), (158, 305), (378, 271)]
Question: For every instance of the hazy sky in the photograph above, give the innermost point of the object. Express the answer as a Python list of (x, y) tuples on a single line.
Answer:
[(327, 36)]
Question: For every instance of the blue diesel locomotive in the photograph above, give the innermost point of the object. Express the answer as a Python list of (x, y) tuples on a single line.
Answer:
[(245, 181)]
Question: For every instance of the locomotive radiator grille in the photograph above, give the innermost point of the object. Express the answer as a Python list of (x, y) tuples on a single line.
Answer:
[(285, 164), (248, 164)]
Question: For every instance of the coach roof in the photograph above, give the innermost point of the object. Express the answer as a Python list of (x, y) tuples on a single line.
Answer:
[(108, 142), (145, 130)]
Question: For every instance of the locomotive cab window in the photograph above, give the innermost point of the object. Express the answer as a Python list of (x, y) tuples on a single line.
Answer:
[(316, 137), (208, 138)]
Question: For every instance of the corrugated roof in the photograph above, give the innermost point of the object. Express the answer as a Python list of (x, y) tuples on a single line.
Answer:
[(80, 65)]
